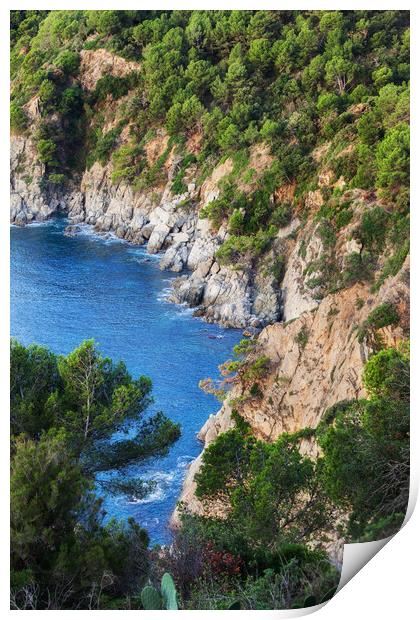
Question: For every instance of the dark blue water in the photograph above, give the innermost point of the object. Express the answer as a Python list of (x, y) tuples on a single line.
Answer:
[(65, 290)]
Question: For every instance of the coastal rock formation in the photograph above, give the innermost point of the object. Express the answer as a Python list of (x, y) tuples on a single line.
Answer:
[(315, 361), (167, 223), (29, 202)]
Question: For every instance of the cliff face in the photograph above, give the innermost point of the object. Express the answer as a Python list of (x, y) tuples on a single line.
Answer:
[(166, 223), (314, 356), (315, 361), (28, 201)]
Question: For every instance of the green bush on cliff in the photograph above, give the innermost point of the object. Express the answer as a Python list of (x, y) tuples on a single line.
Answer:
[(18, 119), (365, 463), (384, 315)]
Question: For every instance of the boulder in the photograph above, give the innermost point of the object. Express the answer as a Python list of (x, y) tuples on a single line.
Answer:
[(174, 258), (157, 238), (72, 230)]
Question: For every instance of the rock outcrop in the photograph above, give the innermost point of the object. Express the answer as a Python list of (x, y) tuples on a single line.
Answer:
[(29, 201), (315, 361), (167, 223)]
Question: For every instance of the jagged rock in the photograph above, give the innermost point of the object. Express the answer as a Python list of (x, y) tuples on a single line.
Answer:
[(187, 291), (72, 230), (202, 250), (158, 236), (180, 237), (174, 258), (203, 269), (147, 230), (296, 297), (120, 232)]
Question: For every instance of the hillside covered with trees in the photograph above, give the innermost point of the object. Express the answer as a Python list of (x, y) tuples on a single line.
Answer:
[(266, 153), (295, 80)]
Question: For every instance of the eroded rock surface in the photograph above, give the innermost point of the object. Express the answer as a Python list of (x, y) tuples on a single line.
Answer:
[(306, 375), (166, 223)]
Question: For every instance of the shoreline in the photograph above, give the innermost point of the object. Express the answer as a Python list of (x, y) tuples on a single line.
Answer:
[(170, 313)]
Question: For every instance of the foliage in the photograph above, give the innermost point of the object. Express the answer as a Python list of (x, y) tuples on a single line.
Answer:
[(302, 337), (115, 87), (382, 316), (62, 556), (18, 118), (365, 467), (105, 143), (272, 491), (128, 163), (165, 599), (69, 415), (178, 186), (393, 160), (90, 399), (291, 79)]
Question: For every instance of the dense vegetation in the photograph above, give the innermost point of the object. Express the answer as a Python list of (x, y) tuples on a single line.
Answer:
[(295, 80), (281, 508), (318, 92), (278, 502), (64, 411)]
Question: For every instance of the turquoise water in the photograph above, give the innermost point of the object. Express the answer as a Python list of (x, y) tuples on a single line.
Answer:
[(67, 289)]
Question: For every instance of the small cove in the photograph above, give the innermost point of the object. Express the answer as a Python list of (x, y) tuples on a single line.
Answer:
[(68, 289)]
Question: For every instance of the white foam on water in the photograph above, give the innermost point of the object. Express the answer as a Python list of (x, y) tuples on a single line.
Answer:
[(36, 224), (88, 230), (140, 254), (164, 481)]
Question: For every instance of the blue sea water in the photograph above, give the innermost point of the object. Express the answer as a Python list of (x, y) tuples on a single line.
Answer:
[(67, 289)]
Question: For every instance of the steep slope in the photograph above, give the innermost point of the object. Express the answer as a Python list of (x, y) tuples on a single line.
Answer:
[(233, 154), (313, 362)]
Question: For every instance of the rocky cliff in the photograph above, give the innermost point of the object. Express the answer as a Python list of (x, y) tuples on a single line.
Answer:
[(314, 361), (334, 253), (166, 223)]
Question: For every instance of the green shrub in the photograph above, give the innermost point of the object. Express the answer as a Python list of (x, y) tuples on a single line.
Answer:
[(57, 179), (178, 186), (392, 160), (358, 268), (68, 61), (116, 87), (236, 248), (128, 162), (105, 145), (393, 264), (384, 315), (18, 119), (47, 151), (302, 337), (373, 229), (47, 92), (343, 218)]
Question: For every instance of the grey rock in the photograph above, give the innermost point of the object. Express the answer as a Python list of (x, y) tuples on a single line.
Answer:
[(158, 236), (72, 230)]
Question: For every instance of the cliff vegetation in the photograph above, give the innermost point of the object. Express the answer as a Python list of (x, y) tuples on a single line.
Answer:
[(266, 155)]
